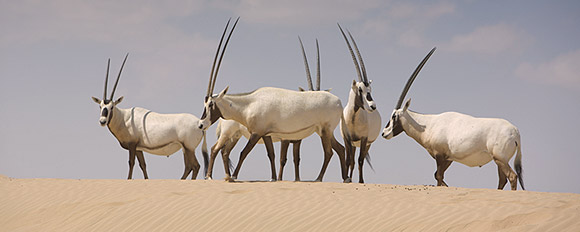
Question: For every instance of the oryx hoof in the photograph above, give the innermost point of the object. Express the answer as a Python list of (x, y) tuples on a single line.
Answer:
[(273, 180), (208, 178), (229, 179), (347, 180), (318, 180)]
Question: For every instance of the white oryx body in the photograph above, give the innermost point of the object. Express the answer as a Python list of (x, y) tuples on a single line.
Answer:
[(452, 136), (139, 130), (154, 133), (283, 114), (463, 138), (230, 131), (273, 112), (361, 122)]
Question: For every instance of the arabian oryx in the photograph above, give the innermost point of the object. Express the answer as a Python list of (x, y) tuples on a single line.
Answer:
[(229, 132), (139, 130), (361, 122), (273, 112), (452, 136)]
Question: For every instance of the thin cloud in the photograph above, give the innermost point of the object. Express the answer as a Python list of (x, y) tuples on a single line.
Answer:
[(301, 12), (563, 71), (406, 23), (490, 40)]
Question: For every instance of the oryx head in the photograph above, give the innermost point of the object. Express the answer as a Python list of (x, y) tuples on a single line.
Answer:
[(211, 112), (107, 105), (394, 126), (362, 88)]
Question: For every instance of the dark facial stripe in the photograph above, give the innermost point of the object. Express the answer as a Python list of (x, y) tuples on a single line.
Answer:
[(369, 98), (204, 114), (105, 112)]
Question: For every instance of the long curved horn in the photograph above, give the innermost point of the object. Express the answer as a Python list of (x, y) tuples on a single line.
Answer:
[(352, 54), (412, 78), (209, 88), (118, 76), (317, 67), (308, 77), (222, 55), (106, 79), (360, 59)]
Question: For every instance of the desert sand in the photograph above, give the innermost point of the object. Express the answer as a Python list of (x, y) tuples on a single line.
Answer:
[(200, 205)]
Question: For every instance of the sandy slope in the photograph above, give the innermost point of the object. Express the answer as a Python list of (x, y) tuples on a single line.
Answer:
[(174, 205)]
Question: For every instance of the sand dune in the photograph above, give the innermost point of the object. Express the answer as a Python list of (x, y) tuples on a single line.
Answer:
[(175, 205)]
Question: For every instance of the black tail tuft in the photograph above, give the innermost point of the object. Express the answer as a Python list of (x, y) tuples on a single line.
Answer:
[(368, 159), (519, 172)]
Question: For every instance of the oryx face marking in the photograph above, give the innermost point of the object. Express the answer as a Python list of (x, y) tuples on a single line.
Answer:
[(393, 127), (364, 98), (106, 110)]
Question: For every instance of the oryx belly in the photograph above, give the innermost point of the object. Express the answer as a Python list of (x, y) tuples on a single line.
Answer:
[(164, 150)]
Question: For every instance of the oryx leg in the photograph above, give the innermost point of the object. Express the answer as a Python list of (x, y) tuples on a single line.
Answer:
[(350, 150), (283, 156), (340, 151), (361, 158), (502, 178), (296, 153), (326, 138), (508, 172), (271, 155), (442, 165), (226, 151), (142, 163), (132, 153), (254, 138), (219, 145), (192, 162)]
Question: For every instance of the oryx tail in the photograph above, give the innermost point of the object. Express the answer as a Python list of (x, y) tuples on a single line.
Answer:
[(518, 163)]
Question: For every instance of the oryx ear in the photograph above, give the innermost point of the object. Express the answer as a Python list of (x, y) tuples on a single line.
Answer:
[(407, 104), (301, 89), (119, 100), (223, 92), (353, 86), (98, 101)]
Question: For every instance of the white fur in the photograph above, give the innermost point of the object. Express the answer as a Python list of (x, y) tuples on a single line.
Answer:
[(462, 138)]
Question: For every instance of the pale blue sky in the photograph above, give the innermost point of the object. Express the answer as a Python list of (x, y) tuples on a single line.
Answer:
[(518, 60)]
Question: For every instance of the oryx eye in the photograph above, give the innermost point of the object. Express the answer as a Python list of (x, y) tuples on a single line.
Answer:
[(210, 104)]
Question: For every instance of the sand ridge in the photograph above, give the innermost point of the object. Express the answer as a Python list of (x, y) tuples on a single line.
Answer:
[(200, 205)]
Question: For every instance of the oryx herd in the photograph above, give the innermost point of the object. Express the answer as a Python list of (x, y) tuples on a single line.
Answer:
[(269, 114)]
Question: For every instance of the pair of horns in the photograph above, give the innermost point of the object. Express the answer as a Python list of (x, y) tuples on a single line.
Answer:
[(362, 78), (308, 77), (116, 82), (412, 78), (213, 76)]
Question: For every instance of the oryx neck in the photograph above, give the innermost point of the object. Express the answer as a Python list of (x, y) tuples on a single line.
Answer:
[(414, 124), (354, 101), (117, 121), (232, 107)]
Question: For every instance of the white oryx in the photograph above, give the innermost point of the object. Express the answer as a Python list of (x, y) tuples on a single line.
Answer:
[(273, 112), (139, 130), (229, 132), (361, 122), (452, 136)]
